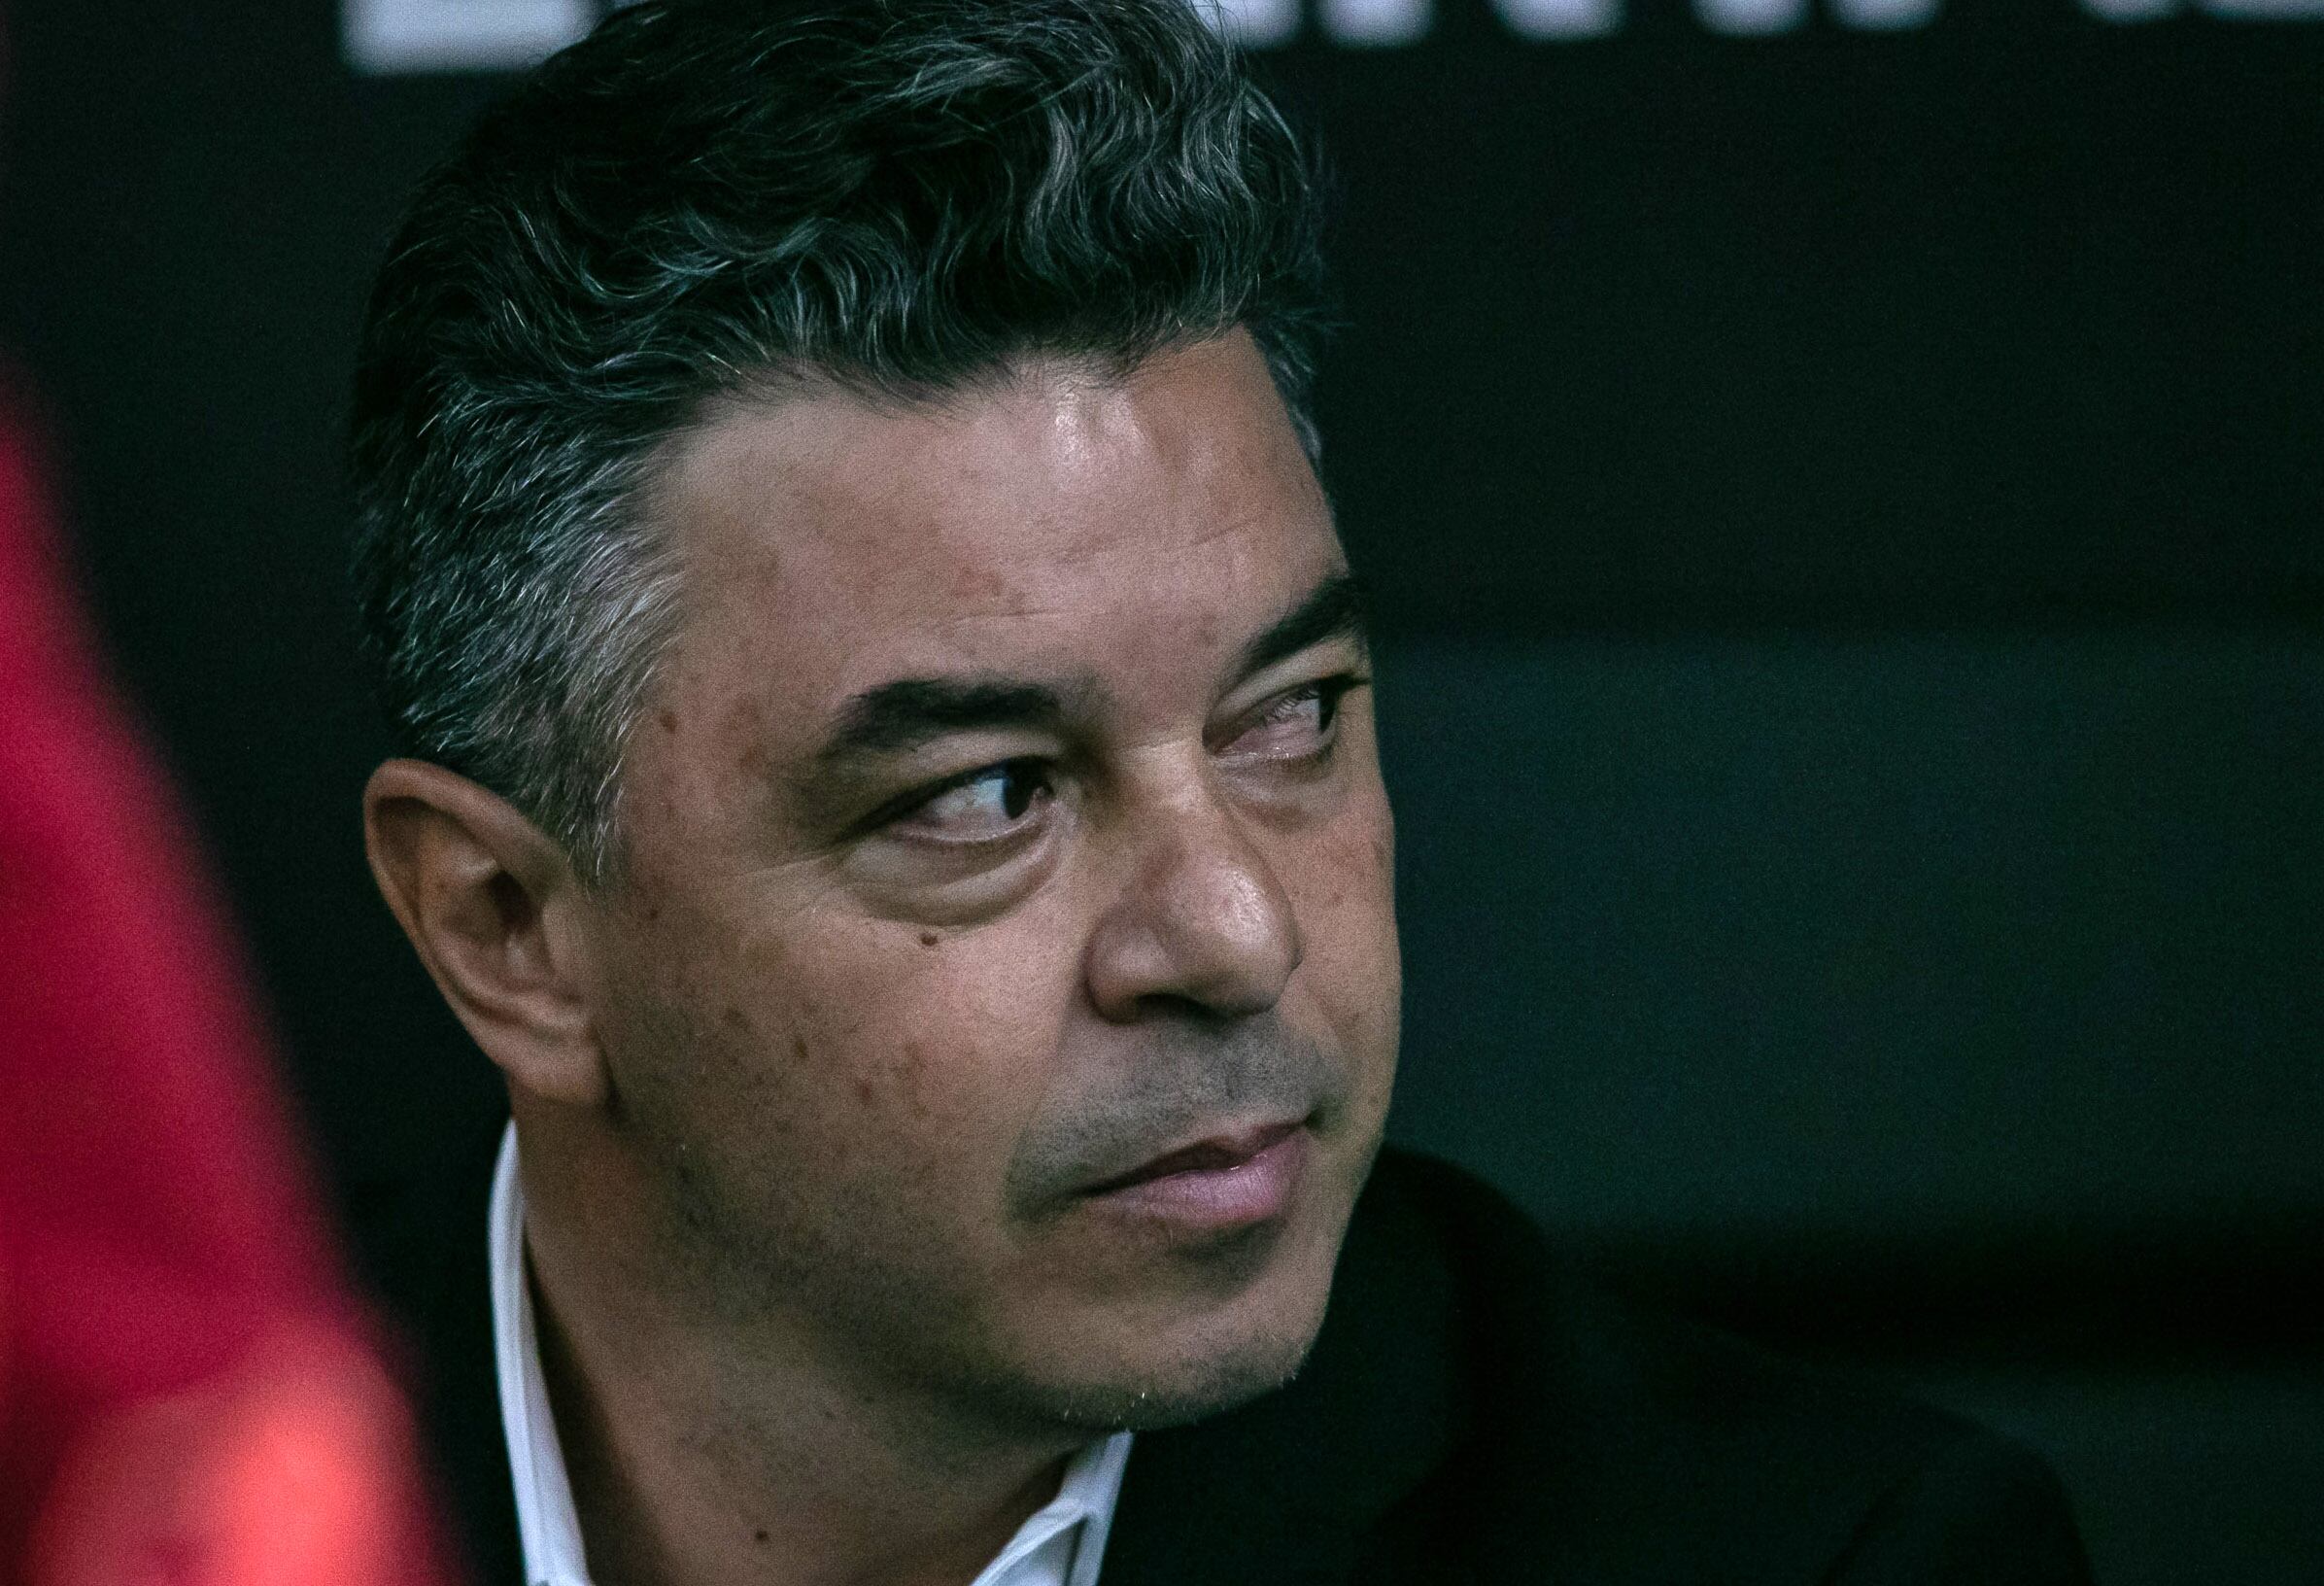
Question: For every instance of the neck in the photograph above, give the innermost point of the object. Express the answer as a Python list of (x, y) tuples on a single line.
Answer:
[(699, 1455)]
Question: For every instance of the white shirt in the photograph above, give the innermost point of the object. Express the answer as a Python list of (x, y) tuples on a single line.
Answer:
[(1060, 1545)]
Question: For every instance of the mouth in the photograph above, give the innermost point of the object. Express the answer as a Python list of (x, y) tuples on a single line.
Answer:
[(1225, 1181)]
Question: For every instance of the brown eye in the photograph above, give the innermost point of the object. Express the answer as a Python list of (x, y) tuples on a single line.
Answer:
[(1017, 791), (984, 804)]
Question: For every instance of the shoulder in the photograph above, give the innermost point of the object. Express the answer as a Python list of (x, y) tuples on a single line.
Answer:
[(1677, 1452), (1475, 1410)]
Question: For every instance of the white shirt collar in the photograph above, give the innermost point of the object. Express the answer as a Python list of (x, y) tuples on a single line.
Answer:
[(1059, 1545)]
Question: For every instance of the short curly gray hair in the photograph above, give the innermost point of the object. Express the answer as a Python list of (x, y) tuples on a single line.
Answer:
[(902, 195)]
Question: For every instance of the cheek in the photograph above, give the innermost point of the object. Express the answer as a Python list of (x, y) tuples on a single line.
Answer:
[(1342, 882), (1343, 891), (926, 1053)]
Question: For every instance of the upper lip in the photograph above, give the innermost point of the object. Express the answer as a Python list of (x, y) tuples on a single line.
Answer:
[(1220, 1149)]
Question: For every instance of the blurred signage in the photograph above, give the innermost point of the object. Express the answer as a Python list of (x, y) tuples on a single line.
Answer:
[(394, 36), (381, 37)]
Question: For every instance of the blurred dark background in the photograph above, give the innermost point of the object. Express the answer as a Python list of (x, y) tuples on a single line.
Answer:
[(1847, 509)]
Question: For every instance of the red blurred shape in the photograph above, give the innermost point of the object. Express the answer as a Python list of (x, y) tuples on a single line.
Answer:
[(187, 1394)]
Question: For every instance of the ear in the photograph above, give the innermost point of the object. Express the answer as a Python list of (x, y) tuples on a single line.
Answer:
[(498, 918)]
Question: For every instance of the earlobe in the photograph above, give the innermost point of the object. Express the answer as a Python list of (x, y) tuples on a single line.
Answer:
[(491, 906)]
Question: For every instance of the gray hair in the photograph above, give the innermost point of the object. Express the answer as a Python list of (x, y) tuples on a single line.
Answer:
[(901, 195)]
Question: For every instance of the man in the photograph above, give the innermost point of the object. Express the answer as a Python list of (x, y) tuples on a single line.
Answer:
[(891, 783)]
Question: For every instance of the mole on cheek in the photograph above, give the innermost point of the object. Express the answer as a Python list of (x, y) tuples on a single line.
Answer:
[(929, 938), (668, 720)]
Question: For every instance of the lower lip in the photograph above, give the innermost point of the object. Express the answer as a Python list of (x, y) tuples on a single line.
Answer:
[(1254, 1191)]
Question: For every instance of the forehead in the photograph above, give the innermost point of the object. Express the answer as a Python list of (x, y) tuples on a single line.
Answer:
[(1054, 520)]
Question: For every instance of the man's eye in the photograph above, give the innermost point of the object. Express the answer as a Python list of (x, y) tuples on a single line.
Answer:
[(990, 802), (1297, 725)]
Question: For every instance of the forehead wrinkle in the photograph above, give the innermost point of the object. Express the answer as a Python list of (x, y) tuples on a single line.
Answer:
[(1052, 611)]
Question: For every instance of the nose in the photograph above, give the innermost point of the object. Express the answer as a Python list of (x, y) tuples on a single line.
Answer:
[(1203, 924)]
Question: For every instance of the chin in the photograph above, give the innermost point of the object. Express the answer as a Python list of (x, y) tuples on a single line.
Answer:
[(1190, 1389), (1156, 1371), (1233, 1320)]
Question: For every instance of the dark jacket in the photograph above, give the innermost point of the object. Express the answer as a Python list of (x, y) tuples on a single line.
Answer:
[(1471, 1413)]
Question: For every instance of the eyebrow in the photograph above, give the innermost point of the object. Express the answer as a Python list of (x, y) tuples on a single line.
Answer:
[(1334, 608), (911, 712)]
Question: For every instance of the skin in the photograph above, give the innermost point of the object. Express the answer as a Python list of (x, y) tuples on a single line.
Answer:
[(809, 1099)]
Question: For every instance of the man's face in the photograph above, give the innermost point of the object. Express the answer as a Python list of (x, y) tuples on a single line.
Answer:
[(1002, 985)]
